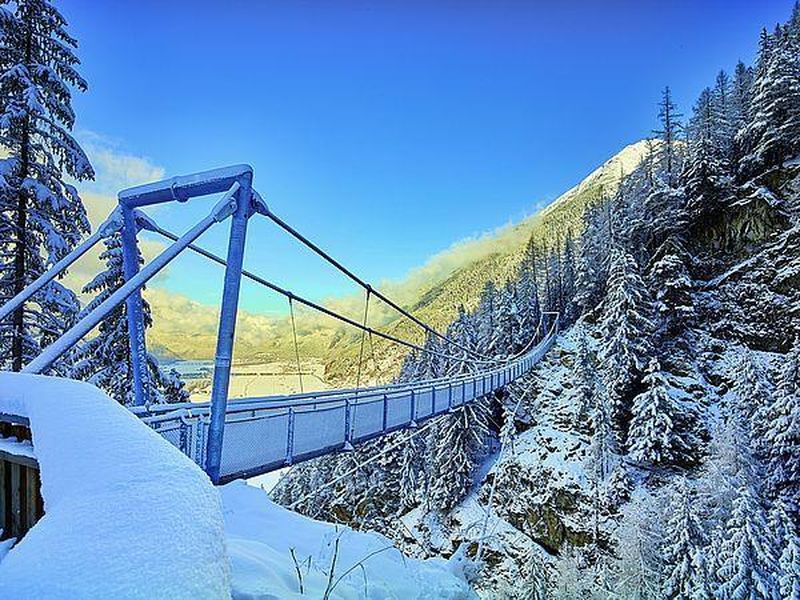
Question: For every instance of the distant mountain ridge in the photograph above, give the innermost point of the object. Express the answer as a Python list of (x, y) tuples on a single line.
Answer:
[(186, 329)]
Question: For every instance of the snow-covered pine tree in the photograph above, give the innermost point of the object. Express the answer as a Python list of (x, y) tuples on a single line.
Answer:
[(568, 277), (593, 254), (411, 475), (724, 116), (43, 215), (554, 279), (652, 438), (747, 564), (464, 332), (455, 444), (752, 394), (626, 327), (669, 133), (789, 566), (673, 285), (772, 134), (782, 434), (527, 302), (536, 584), (705, 177), (686, 576), (105, 360), (486, 318), (586, 388), (508, 321)]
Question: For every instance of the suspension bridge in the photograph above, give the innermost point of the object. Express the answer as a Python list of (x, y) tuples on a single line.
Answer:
[(244, 437)]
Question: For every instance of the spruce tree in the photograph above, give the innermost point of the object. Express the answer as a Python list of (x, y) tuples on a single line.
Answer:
[(455, 445), (569, 276), (747, 567), (686, 574), (652, 438), (673, 285), (486, 318), (41, 212), (669, 133), (789, 564), (782, 434), (626, 327), (105, 360), (705, 164), (772, 133)]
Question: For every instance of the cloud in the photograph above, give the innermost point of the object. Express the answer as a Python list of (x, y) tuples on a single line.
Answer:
[(115, 169)]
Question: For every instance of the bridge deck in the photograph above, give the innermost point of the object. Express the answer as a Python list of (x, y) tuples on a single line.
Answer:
[(265, 434)]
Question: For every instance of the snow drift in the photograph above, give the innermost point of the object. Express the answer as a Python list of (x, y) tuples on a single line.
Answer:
[(275, 551), (126, 514)]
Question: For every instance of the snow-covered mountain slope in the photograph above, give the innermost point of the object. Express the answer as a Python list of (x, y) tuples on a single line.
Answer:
[(183, 328)]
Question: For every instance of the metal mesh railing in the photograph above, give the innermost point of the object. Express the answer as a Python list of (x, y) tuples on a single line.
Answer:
[(265, 434)]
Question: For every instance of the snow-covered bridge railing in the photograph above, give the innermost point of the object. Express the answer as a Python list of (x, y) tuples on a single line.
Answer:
[(264, 434), (244, 437)]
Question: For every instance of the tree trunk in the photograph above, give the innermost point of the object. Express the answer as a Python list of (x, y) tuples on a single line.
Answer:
[(21, 247)]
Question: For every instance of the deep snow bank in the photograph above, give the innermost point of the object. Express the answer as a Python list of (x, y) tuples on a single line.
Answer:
[(261, 537), (126, 514)]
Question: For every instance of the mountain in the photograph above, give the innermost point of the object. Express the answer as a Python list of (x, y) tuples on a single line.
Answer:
[(654, 452), (186, 329)]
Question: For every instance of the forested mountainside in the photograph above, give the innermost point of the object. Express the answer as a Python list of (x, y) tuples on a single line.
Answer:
[(438, 303), (185, 329), (655, 453)]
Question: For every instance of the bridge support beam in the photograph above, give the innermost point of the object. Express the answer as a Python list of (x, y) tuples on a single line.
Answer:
[(134, 310), (227, 326)]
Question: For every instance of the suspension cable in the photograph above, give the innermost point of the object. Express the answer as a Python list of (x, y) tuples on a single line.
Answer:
[(296, 348), (328, 258), (313, 305)]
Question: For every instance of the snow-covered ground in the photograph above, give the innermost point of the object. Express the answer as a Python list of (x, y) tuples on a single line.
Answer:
[(128, 516)]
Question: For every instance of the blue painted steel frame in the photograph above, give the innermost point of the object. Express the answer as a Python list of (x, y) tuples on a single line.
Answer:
[(181, 189), (227, 326), (178, 189)]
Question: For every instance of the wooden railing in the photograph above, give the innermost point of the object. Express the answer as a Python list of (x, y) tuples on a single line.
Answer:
[(21, 504)]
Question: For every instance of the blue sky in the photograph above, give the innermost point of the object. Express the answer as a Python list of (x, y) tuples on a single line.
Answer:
[(389, 130)]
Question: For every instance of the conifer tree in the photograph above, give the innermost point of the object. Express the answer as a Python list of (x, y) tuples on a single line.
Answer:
[(747, 562), (652, 438), (455, 444), (569, 282), (410, 475), (42, 214), (789, 564), (705, 167), (686, 576), (669, 133), (105, 360), (626, 328), (463, 331), (772, 134), (782, 435), (673, 286), (486, 318)]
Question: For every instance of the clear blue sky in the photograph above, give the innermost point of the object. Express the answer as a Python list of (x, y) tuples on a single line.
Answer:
[(388, 130)]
